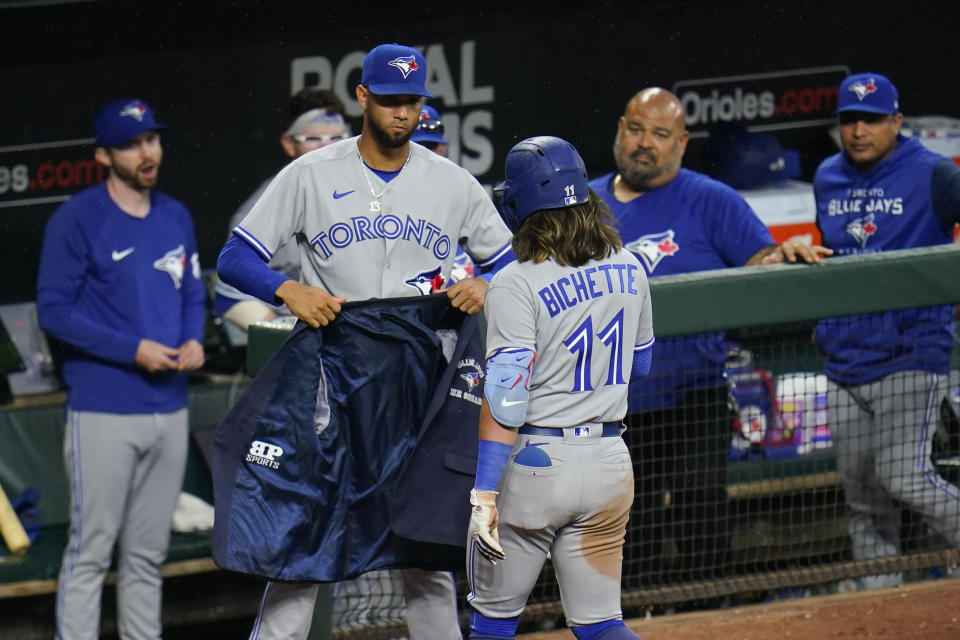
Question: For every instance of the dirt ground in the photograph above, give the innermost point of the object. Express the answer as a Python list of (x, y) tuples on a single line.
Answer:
[(923, 611)]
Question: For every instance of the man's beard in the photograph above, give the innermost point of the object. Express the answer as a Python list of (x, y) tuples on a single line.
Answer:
[(384, 139), (636, 178), (134, 179)]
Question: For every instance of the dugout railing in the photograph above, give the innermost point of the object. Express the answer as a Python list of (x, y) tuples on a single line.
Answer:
[(784, 508)]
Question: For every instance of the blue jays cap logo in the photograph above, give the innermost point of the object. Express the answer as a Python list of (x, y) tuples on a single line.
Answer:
[(406, 65), (653, 248), (134, 110), (423, 281), (861, 229), (863, 89)]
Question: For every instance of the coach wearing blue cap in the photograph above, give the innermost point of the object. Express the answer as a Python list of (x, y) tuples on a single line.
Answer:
[(886, 371), (119, 285)]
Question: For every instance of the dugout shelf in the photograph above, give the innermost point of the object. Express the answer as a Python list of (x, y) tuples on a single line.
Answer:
[(759, 477), (32, 434)]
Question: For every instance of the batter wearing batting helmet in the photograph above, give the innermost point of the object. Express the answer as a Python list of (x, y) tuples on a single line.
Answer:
[(568, 324)]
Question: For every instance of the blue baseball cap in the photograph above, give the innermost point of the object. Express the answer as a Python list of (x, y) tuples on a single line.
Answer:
[(749, 160), (121, 120), (430, 128), (870, 92), (393, 69)]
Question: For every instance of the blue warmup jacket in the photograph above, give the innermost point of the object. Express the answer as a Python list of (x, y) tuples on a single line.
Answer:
[(108, 280), (911, 199), (692, 223), (354, 445)]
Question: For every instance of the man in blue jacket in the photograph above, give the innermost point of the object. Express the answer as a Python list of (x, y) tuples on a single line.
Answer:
[(119, 285), (887, 371)]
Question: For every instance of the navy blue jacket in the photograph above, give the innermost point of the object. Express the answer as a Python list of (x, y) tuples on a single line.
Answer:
[(340, 427)]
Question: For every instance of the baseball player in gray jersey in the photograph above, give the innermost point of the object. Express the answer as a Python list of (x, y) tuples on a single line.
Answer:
[(374, 216), (567, 326), (316, 120)]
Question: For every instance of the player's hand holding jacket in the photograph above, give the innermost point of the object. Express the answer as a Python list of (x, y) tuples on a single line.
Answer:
[(483, 524)]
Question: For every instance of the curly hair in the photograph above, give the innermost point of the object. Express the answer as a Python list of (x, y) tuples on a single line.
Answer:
[(313, 98), (572, 236)]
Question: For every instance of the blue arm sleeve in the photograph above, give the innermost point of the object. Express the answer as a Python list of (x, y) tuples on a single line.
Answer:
[(241, 266), (491, 461), (945, 193), (642, 359)]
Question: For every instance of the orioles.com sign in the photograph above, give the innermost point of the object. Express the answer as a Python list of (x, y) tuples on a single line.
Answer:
[(762, 101)]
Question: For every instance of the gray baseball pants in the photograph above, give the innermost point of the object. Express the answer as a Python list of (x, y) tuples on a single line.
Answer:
[(125, 473), (286, 609), (576, 511), (883, 433)]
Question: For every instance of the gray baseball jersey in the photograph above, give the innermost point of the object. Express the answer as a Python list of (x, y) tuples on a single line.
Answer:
[(583, 323), (360, 237), (566, 495)]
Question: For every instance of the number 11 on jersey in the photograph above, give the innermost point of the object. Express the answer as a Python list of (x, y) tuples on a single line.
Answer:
[(580, 343)]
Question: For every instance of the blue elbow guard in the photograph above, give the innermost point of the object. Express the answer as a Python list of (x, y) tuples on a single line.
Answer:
[(507, 385), (641, 361)]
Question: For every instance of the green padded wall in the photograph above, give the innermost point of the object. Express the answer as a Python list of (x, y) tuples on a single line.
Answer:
[(751, 296)]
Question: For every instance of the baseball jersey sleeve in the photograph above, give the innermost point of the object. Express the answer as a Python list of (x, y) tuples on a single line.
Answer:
[(511, 320), (194, 289), (945, 187), (277, 214), (64, 265), (487, 236), (644, 338), (736, 231)]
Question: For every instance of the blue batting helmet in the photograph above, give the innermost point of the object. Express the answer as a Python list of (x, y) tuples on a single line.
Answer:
[(541, 173)]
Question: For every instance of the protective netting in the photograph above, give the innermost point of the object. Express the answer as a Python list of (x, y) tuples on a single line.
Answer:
[(738, 486)]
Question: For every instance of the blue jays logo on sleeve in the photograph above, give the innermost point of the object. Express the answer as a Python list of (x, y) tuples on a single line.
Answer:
[(406, 65), (653, 248), (424, 281), (471, 373), (134, 110), (463, 267), (864, 89), (174, 262), (862, 229)]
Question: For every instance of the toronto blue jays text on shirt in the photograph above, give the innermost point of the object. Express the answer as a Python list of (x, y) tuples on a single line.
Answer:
[(865, 201), (387, 226), (585, 284)]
